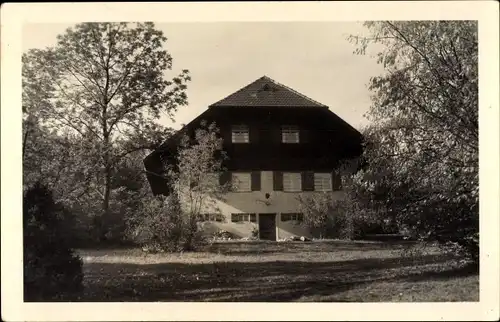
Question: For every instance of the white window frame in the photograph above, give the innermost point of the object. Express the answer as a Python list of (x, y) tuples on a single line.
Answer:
[(323, 182), (293, 217), (236, 182), (290, 134), (244, 217), (212, 217), (290, 176), (240, 134)]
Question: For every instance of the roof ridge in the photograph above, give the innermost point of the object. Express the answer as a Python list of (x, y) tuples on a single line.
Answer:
[(300, 99), (294, 91), (237, 91)]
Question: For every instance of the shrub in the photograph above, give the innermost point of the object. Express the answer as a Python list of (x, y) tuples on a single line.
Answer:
[(51, 270), (331, 217), (222, 234), (255, 233), (164, 227)]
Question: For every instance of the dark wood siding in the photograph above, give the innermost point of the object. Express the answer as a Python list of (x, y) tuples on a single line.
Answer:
[(325, 139), (304, 135), (254, 134)]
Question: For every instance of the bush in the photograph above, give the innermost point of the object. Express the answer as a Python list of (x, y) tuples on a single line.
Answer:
[(222, 235), (330, 217), (164, 227), (255, 233), (51, 270)]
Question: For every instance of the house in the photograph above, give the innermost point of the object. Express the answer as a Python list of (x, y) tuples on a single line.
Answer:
[(280, 144)]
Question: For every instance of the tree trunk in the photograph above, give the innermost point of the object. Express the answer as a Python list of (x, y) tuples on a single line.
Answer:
[(25, 140), (107, 162), (105, 206), (27, 125)]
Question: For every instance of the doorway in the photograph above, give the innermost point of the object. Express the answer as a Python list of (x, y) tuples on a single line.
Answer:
[(267, 227)]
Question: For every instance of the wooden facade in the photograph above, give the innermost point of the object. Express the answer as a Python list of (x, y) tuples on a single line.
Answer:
[(265, 107)]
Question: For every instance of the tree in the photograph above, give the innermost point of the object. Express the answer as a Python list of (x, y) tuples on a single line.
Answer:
[(172, 223), (108, 89), (422, 150), (51, 269), (195, 174)]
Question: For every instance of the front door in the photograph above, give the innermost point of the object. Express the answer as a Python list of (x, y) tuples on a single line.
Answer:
[(267, 226)]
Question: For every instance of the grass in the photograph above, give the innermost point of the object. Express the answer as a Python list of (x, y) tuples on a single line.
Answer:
[(265, 271)]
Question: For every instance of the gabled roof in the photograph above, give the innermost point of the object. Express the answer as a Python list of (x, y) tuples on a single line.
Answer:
[(267, 92)]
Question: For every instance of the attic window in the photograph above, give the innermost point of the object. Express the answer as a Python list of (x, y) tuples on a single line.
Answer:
[(268, 88)]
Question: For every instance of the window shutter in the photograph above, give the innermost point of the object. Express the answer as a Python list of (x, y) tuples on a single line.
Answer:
[(308, 181), (224, 177), (265, 134), (336, 181), (255, 180), (278, 181)]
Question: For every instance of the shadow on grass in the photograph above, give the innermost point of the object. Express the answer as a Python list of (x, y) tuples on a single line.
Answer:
[(256, 247), (251, 281)]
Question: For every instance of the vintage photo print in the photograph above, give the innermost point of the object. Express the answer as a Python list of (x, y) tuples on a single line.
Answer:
[(250, 161)]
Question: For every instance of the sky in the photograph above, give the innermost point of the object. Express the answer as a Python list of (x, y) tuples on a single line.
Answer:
[(313, 58)]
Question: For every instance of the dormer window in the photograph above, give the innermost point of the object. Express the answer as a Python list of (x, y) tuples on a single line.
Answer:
[(240, 134), (289, 134), (268, 88)]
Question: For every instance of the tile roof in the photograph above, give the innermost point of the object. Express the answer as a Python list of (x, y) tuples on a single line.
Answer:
[(269, 93)]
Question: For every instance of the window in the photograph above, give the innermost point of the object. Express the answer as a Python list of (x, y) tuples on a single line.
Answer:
[(211, 217), (240, 134), (289, 134), (292, 217), (241, 181), (322, 182), (292, 181), (243, 217)]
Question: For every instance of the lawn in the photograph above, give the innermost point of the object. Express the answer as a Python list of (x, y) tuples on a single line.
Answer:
[(265, 271)]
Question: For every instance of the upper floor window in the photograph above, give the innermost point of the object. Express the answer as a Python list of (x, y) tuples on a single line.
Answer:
[(322, 182), (241, 181), (289, 134), (240, 134), (292, 181)]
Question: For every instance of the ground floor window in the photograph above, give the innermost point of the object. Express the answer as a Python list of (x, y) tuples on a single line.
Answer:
[(243, 217), (212, 217), (292, 217)]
